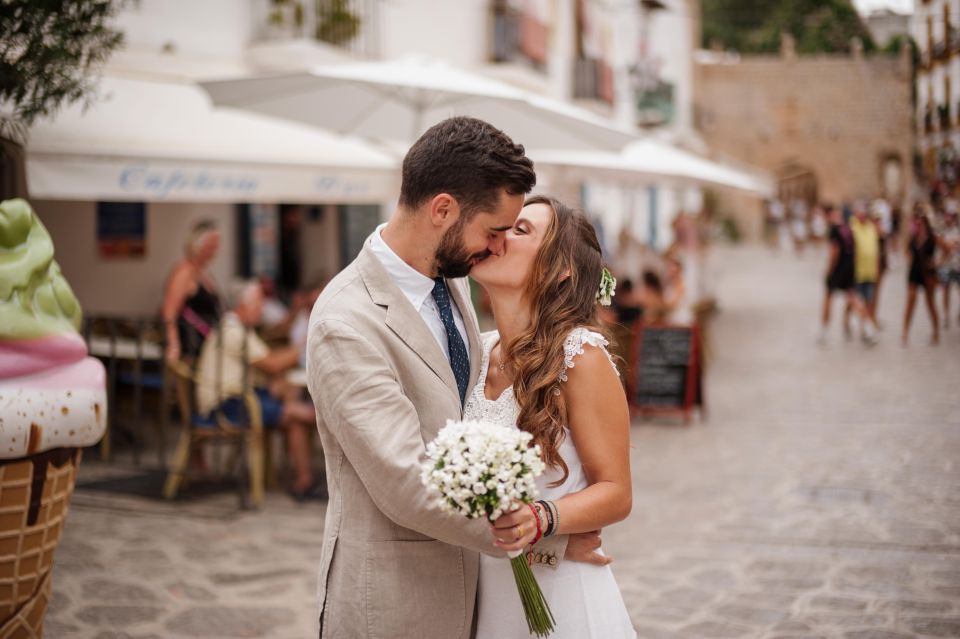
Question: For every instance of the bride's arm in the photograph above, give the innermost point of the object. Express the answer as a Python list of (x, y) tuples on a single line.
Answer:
[(600, 426)]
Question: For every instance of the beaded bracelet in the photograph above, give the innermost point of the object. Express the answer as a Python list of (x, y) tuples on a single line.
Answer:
[(551, 522), (547, 515), (542, 510), (536, 517), (556, 516)]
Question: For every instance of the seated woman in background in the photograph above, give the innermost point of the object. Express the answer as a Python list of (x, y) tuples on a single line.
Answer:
[(651, 296), (665, 301), (675, 296), (300, 307), (191, 304), (626, 307)]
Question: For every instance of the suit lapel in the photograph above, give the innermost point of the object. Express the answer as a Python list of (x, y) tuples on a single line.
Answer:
[(403, 319)]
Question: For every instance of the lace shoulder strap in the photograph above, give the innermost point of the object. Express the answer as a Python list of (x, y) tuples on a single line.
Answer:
[(573, 346), (488, 340)]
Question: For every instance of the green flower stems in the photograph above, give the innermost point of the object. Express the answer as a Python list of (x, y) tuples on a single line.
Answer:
[(540, 619)]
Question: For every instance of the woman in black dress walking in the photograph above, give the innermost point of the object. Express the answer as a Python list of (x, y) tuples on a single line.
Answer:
[(921, 249), (839, 272)]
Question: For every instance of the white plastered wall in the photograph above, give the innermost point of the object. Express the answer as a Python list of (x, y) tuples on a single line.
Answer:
[(132, 286)]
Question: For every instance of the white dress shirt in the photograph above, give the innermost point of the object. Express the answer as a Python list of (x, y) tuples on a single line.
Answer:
[(418, 288)]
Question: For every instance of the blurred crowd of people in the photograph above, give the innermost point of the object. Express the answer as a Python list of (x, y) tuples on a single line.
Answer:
[(863, 237), (668, 287), (247, 339), (661, 287)]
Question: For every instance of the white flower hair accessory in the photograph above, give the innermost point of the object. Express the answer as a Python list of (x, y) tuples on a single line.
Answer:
[(608, 287)]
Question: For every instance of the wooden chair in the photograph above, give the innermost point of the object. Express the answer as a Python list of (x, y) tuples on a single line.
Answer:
[(198, 430)]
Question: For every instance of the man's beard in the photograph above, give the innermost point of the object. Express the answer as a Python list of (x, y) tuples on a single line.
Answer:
[(452, 258)]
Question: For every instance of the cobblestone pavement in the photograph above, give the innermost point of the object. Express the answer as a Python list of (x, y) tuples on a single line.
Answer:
[(819, 499)]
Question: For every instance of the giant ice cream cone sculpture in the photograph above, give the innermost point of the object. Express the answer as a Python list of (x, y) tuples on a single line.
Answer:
[(52, 403)]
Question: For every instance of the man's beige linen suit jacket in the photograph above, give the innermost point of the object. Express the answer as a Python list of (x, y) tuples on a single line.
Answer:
[(393, 564)]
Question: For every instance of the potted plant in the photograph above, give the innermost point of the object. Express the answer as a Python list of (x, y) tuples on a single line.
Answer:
[(285, 19), (336, 23)]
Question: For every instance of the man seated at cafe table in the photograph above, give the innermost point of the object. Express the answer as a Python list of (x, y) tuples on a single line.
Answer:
[(232, 355)]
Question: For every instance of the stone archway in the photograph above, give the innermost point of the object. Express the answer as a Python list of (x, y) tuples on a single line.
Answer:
[(798, 182), (892, 176)]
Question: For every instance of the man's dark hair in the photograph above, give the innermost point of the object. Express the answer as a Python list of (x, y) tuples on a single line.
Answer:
[(468, 158)]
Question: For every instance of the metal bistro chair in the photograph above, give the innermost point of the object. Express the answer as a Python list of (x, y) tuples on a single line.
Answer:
[(133, 356), (197, 430)]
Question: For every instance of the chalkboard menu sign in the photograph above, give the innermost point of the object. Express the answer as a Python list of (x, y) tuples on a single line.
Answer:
[(665, 371)]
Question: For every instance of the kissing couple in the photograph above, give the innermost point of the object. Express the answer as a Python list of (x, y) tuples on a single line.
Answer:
[(394, 351)]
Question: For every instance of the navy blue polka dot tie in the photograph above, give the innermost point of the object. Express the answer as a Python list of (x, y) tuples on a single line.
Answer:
[(459, 359)]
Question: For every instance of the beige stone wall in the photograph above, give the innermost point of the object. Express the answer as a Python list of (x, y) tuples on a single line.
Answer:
[(838, 116)]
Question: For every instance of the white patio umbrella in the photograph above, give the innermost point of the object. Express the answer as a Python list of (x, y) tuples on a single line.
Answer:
[(398, 100), (646, 159)]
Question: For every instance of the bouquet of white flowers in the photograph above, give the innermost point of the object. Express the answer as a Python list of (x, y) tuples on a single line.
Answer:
[(479, 469)]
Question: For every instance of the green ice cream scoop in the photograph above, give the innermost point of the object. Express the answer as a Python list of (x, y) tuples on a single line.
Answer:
[(35, 299)]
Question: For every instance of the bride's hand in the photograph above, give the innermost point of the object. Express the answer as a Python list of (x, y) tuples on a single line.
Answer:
[(516, 530)]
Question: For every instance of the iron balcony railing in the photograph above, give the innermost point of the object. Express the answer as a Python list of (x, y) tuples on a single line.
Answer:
[(517, 36), (352, 25), (593, 80)]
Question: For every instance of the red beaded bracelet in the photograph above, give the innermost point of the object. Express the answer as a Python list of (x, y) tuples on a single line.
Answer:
[(536, 517)]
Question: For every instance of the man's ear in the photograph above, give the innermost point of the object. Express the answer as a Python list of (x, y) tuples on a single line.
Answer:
[(444, 210)]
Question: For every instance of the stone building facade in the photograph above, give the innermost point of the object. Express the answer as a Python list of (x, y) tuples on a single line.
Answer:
[(936, 30), (829, 127)]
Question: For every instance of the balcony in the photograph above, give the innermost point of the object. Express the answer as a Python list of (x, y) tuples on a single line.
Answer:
[(656, 104), (593, 80), (940, 51), (518, 37), (349, 25), (943, 117)]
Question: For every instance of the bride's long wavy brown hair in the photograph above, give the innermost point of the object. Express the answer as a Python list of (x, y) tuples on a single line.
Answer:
[(562, 289)]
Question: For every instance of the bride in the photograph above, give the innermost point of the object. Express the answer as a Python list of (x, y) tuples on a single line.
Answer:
[(546, 369)]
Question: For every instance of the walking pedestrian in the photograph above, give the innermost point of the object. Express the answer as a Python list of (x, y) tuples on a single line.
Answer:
[(798, 224), (866, 267), (776, 219), (840, 272), (921, 249), (949, 260), (896, 222), (882, 217)]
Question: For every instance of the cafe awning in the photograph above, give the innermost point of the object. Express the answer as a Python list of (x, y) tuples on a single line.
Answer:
[(146, 140)]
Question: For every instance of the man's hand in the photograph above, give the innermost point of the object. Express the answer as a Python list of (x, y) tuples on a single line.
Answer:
[(582, 547)]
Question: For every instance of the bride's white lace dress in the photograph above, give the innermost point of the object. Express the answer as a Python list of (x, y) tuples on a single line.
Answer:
[(584, 598)]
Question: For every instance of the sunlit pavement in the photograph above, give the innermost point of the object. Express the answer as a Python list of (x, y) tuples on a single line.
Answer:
[(820, 498)]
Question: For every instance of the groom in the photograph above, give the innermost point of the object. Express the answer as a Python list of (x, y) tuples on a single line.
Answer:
[(393, 350)]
